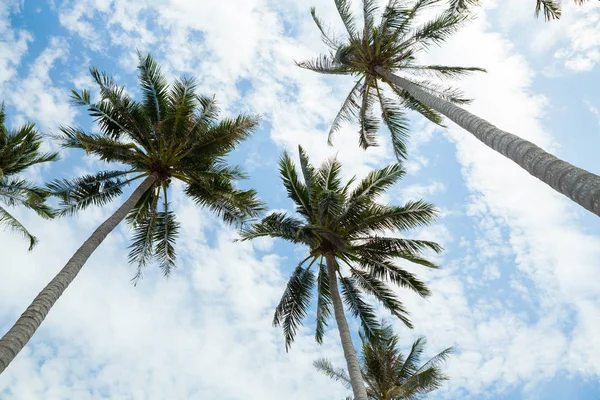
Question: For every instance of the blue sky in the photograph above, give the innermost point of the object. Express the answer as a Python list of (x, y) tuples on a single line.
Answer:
[(519, 292)]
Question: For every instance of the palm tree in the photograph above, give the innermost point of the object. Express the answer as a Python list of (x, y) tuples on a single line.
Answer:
[(550, 8), (383, 56), (172, 134), (340, 226), (388, 374), (19, 150)]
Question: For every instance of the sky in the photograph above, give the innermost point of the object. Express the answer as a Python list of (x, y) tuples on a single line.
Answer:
[(518, 294)]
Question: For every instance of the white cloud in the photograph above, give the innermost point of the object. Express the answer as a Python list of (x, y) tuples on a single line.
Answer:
[(37, 96), (13, 45)]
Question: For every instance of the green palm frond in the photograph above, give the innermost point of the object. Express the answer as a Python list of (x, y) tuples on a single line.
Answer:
[(343, 8), (276, 225), (358, 307), (294, 303), (369, 125), (105, 148), (297, 191), (386, 270), (217, 193), (324, 64), (77, 194), (154, 88), (375, 287), (142, 247), (551, 9), (310, 177), (226, 135), (10, 222), (326, 35), (323, 303), (349, 110), (397, 123), (323, 365), (377, 182), (165, 236)]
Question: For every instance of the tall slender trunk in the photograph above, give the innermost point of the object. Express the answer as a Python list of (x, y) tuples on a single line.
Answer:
[(579, 185), (356, 379), (17, 337)]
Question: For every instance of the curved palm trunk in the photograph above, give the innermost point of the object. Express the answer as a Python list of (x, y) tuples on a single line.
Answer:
[(356, 379), (579, 185), (17, 337)]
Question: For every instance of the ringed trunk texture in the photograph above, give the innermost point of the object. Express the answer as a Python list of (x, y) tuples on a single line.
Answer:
[(579, 185), (356, 379), (17, 337)]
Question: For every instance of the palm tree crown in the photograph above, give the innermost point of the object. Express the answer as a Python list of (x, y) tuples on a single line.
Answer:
[(19, 150), (387, 372), (336, 219), (173, 133), (393, 44)]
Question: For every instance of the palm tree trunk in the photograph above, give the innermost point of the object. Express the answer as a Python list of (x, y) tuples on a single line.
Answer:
[(579, 185), (17, 337), (356, 379)]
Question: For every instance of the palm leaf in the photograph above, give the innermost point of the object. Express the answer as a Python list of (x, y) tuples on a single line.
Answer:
[(10, 222), (337, 374), (371, 285), (323, 303), (358, 307), (293, 307)]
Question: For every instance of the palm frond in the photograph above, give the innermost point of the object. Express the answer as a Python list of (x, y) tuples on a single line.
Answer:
[(369, 9), (218, 194), (369, 125), (350, 109), (323, 303), (77, 194), (358, 307), (323, 365), (297, 191), (326, 36), (441, 71), (387, 271), (310, 176), (165, 236), (551, 9), (343, 8), (324, 64), (10, 222), (396, 122), (154, 87), (278, 225), (293, 307), (224, 136), (370, 284), (329, 174), (383, 217), (106, 148), (436, 30), (376, 182), (142, 244)]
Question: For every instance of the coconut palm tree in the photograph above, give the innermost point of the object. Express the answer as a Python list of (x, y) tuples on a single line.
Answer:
[(388, 374), (550, 8), (383, 56), (341, 228), (172, 134), (20, 150)]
